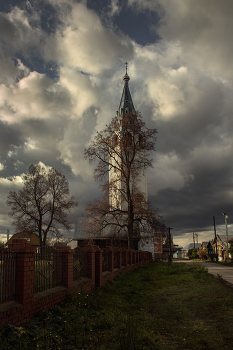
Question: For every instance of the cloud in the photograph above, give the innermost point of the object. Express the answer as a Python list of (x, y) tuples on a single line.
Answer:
[(182, 84), (168, 173), (201, 29), (84, 44), (15, 180)]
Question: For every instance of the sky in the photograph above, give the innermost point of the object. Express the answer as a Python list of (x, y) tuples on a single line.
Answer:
[(61, 71)]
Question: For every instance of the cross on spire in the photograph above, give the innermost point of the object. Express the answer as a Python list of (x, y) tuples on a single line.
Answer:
[(126, 66)]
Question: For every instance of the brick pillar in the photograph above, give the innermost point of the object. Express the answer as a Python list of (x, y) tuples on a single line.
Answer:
[(90, 250), (98, 266), (24, 276), (67, 266), (110, 259)]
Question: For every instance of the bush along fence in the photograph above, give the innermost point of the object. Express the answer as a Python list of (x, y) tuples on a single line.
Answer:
[(33, 280)]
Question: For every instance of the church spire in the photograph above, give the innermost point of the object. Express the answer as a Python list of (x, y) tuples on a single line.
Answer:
[(126, 104)]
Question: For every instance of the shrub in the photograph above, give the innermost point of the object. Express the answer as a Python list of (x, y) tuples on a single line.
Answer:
[(192, 253), (202, 254)]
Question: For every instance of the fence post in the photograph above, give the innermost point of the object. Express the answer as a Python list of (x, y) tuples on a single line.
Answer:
[(67, 266), (24, 277), (98, 266)]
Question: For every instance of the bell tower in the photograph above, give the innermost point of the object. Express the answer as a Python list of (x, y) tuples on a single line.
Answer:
[(126, 119)]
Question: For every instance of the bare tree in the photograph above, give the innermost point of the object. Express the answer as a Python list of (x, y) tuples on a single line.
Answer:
[(43, 204), (123, 150)]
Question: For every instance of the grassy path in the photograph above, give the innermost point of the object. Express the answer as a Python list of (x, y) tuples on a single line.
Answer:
[(154, 307)]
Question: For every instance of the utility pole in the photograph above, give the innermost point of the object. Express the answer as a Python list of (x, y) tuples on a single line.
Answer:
[(215, 239), (193, 240), (197, 240), (170, 246), (226, 217)]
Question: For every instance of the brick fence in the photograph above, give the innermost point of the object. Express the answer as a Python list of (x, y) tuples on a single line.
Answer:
[(26, 303)]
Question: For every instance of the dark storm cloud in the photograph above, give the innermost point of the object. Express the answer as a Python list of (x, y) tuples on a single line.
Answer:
[(61, 74)]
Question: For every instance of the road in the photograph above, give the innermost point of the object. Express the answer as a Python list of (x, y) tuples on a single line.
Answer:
[(215, 269)]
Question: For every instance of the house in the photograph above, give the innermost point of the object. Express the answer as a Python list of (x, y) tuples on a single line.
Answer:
[(208, 245), (33, 238), (204, 245), (178, 254), (210, 248), (221, 247)]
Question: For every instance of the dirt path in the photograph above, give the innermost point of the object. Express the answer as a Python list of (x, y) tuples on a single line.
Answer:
[(226, 272)]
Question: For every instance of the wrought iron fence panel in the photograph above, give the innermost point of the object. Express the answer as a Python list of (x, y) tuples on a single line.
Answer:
[(128, 258), (122, 259), (115, 260), (7, 275), (79, 263), (105, 261), (48, 269)]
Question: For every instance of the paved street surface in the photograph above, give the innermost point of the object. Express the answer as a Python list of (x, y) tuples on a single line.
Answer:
[(214, 269)]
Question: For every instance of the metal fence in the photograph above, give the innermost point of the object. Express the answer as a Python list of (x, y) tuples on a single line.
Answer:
[(48, 268), (105, 261), (79, 264), (7, 275), (128, 258), (122, 259), (115, 265)]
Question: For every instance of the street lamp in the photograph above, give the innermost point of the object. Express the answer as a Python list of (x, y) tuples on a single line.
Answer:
[(226, 217)]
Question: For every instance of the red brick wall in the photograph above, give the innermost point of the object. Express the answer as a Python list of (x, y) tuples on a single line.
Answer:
[(27, 303)]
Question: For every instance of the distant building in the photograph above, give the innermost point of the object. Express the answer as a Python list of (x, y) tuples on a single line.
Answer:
[(32, 238), (178, 254)]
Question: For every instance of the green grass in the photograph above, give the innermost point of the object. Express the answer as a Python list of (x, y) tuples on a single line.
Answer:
[(155, 307)]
